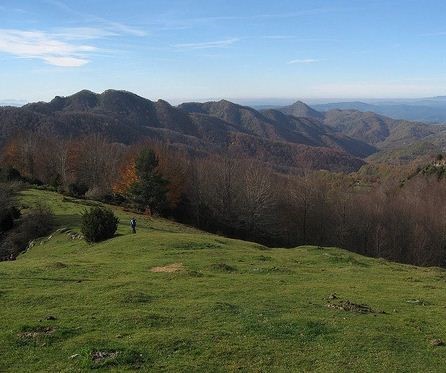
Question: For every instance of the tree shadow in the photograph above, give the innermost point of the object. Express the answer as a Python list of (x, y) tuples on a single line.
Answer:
[(68, 221)]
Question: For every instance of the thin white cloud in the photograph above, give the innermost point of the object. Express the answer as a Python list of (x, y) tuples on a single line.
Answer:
[(83, 33), (64, 47), (300, 13), (44, 46), (66, 61), (300, 39), (123, 28), (208, 45), (105, 24), (305, 61)]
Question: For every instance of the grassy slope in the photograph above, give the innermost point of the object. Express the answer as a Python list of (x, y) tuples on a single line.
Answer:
[(269, 314)]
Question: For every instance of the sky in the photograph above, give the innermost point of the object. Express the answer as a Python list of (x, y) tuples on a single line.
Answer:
[(183, 50)]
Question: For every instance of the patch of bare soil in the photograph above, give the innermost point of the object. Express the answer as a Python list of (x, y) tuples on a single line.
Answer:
[(175, 267), (100, 356), (437, 342), (38, 332), (346, 305)]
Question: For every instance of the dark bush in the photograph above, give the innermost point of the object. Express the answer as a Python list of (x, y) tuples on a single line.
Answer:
[(98, 224), (32, 181), (36, 223), (55, 181), (114, 199), (7, 218), (9, 174), (6, 222), (77, 189), (8, 206)]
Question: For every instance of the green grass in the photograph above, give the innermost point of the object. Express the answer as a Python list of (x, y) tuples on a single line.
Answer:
[(233, 305)]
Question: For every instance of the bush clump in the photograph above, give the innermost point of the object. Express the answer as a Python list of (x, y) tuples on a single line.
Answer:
[(35, 223), (77, 190), (98, 224), (8, 174)]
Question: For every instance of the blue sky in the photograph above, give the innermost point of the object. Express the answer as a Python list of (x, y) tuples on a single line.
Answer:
[(211, 49)]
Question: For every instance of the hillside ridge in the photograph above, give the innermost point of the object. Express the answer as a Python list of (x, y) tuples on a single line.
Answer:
[(214, 127)]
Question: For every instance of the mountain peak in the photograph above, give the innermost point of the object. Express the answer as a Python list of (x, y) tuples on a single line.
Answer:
[(301, 109), (300, 103)]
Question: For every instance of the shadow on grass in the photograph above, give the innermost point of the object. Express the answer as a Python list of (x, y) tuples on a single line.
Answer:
[(68, 221)]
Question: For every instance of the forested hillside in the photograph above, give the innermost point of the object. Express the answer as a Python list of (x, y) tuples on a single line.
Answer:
[(269, 177), (216, 127)]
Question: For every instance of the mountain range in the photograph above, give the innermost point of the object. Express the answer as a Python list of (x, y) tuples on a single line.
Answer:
[(429, 110), (288, 137)]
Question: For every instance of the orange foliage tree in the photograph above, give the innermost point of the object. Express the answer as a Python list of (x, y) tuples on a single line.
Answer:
[(127, 176), (172, 166)]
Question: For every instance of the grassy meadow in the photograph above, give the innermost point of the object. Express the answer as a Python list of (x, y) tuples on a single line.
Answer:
[(172, 298)]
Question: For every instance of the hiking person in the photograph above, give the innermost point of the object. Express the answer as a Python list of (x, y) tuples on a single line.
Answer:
[(133, 225)]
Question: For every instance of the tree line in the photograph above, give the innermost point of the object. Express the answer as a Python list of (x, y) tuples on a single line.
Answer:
[(243, 198)]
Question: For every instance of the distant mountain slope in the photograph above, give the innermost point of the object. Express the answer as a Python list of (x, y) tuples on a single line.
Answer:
[(378, 130), (419, 152), (12, 102), (427, 110), (300, 109), (372, 128), (289, 137), (277, 126), (214, 127)]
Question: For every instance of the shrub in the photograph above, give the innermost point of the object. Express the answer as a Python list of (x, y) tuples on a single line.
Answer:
[(114, 199), (98, 224), (77, 189), (8, 206), (9, 174), (94, 193), (34, 224), (7, 218)]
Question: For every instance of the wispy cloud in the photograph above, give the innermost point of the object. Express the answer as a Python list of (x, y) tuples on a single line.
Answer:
[(83, 33), (208, 44), (103, 23), (44, 46), (304, 61), (299, 39), (63, 47), (262, 16), (181, 23), (123, 28)]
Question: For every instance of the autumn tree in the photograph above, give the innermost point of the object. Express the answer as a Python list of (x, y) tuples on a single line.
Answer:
[(127, 175), (96, 163), (257, 199)]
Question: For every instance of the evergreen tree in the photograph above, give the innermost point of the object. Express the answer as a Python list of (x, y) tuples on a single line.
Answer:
[(149, 191)]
